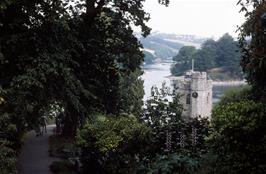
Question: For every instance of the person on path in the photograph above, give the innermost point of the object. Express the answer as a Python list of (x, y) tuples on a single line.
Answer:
[(43, 123)]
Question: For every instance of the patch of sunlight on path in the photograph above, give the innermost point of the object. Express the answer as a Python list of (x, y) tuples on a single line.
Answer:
[(34, 157)]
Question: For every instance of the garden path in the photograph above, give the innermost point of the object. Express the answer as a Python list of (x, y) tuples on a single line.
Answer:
[(34, 157)]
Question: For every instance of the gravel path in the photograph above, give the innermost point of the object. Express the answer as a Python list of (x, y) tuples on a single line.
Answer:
[(34, 157)]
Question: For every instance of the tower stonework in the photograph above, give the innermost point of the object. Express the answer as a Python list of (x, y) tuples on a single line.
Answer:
[(195, 91)]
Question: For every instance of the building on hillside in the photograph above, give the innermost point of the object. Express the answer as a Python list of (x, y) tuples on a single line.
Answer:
[(195, 90)]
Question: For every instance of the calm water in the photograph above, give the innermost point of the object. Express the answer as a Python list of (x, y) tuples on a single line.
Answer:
[(157, 73)]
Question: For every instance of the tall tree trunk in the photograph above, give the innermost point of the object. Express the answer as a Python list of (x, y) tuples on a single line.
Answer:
[(70, 123)]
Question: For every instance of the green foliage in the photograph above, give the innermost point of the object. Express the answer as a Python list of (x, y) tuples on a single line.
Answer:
[(183, 59), (236, 95), (61, 147), (148, 57), (10, 140), (228, 53), (185, 54), (7, 159), (174, 164), (223, 53), (112, 145), (62, 167), (73, 54), (238, 137), (159, 109), (132, 93), (9, 132), (178, 143), (252, 42), (126, 144)]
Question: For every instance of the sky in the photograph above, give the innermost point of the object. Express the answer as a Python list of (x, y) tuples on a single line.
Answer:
[(207, 18)]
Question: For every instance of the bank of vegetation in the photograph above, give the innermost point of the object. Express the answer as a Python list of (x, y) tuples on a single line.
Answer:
[(221, 59), (82, 61)]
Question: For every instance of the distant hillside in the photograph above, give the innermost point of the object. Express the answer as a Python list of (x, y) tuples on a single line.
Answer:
[(162, 46)]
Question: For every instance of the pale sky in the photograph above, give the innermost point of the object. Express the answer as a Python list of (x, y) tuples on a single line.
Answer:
[(208, 18)]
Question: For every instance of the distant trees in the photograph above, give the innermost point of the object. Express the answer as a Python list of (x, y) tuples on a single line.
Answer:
[(183, 59), (148, 57), (223, 53)]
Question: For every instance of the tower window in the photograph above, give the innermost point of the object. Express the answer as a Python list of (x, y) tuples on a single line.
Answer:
[(188, 99)]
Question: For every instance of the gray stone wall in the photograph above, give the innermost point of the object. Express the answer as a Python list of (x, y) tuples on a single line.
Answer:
[(195, 90)]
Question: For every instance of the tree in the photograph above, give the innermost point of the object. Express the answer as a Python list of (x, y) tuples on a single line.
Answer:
[(185, 54), (149, 58), (209, 48), (223, 54), (73, 54), (228, 54), (183, 60), (132, 93), (204, 59), (252, 42)]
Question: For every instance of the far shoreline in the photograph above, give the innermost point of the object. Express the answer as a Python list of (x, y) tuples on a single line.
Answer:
[(217, 82), (229, 83)]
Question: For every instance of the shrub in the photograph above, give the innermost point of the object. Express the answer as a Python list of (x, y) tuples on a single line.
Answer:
[(62, 167), (238, 138), (236, 95), (7, 159), (174, 164), (112, 145)]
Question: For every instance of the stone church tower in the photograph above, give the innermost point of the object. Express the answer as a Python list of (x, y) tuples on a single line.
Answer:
[(195, 91)]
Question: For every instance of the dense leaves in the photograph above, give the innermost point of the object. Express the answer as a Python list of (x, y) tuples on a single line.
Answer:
[(223, 55), (183, 59), (178, 142), (252, 41), (159, 141), (75, 55), (238, 137), (113, 145), (236, 95), (7, 159)]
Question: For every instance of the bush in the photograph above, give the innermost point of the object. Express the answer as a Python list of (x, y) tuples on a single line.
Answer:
[(9, 132), (236, 95), (7, 159), (238, 138), (10, 141), (174, 164), (112, 145), (59, 145), (62, 167), (159, 141)]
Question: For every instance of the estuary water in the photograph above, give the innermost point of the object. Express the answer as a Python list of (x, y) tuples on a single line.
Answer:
[(156, 74)]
